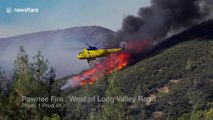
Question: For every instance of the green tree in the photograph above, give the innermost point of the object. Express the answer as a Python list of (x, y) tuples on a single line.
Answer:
[(21, 85), (4, 89), (4, 83), (139, 111), (31, 80), (39, 66), (116, 110)]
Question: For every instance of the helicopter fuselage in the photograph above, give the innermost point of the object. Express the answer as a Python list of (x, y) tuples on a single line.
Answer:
[(93, 54)]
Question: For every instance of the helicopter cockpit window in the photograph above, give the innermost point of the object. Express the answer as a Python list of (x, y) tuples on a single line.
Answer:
[(81, 52), (91, 48)]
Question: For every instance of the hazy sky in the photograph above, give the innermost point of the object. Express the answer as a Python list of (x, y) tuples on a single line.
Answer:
[(59, 14)]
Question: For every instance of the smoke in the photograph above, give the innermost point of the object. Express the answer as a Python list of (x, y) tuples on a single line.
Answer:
[(72, 83), (163, 16)]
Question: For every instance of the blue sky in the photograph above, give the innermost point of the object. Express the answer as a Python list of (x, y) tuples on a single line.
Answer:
[(60, 14)]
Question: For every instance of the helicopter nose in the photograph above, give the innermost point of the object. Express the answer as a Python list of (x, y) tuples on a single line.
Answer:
[(79, 56)]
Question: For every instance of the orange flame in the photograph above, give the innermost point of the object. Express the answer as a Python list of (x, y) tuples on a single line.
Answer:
[(115, 62)]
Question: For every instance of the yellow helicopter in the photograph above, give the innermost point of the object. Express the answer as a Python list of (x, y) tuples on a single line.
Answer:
[(92, 53)]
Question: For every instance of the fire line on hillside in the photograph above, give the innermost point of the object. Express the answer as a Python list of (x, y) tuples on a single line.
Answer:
[(116, 61)]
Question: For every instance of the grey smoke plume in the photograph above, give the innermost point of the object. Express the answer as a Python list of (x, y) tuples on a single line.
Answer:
[(156, 21)]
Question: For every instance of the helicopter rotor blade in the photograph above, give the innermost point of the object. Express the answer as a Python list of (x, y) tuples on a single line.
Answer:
[(81, 48), (85, 43), (89, 45), (97, 43)]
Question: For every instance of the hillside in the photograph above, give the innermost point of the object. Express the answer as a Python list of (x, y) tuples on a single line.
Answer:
[(178, 75), (184, 70), (56, 45)]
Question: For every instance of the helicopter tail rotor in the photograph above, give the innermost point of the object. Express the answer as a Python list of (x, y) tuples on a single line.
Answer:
[(123, 45)]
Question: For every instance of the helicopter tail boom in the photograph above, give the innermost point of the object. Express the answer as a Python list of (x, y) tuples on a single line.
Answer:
[(114, 50)]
